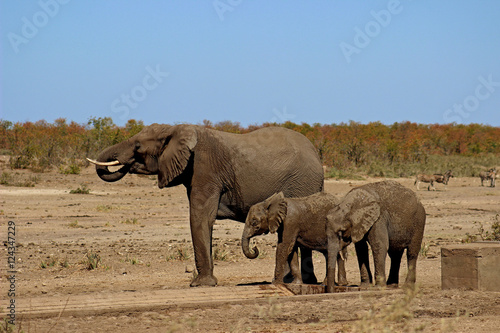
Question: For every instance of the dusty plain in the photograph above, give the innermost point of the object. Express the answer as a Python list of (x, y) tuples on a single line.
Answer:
[(141, 235)]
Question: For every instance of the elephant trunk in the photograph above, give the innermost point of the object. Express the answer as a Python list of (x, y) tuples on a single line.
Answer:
[(111, 155), (245, 246), (333, 252), (106, 175)]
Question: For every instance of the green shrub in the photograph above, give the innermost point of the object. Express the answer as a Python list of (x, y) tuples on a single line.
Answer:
[(485, 235), (74, 224), (83, 189), (8, 179), (178, 252), (132, 221), (352, 149), (72, 169), (5, 178), (92, 261)]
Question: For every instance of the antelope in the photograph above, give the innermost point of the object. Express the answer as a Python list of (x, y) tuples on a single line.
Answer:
[(491, 174), (446, 177), (438, 178)]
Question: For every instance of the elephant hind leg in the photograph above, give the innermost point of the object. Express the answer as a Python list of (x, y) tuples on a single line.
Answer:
[(395, 266), (412, 256), (413, 250), (307, 266)]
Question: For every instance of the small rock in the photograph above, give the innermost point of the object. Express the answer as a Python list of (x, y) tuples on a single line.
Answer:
[(189, 269)]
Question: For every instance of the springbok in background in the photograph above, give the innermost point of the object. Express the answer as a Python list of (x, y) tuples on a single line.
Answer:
[(491, 174), (437, 177)]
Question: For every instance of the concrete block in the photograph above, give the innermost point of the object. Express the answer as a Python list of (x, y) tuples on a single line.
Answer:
[(474, 266)]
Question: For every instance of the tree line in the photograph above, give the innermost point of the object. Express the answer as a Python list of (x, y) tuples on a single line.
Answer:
[(376, 149)]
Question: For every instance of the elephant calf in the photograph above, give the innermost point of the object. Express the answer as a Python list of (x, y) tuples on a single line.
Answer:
[(299, 222), (390, 218)]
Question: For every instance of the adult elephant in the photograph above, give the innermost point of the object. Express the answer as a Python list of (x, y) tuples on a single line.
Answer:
[(224, 174)]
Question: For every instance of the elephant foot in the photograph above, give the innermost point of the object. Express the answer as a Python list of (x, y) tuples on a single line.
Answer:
[(381, 285), (330, 289), (296, 281), (409, 286), (342, 282), (204, 280), (365, 284), (289, 278), (309, 279), (278, 282), (392, 282)]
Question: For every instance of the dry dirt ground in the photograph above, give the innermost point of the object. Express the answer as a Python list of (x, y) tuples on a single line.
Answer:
[(142, 238)]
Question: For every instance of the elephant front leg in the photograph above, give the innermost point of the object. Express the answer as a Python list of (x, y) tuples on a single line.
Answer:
[(202, 218), (379, 242), (293, 262), (283, 254), (363, 262)]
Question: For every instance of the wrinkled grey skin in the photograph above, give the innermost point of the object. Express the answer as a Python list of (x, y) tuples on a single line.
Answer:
[(386, 215), (299, 222), (224, 173)]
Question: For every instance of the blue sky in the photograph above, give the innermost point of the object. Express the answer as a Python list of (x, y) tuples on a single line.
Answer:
[(252, 62)]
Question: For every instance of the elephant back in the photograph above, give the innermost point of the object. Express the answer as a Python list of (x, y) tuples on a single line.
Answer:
[(400, 208)]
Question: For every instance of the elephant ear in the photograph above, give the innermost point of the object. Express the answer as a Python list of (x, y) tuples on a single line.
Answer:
[(179, 142), (276, 211), (364, 212)]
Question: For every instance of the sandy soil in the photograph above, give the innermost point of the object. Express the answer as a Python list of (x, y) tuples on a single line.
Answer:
[(142, 237)]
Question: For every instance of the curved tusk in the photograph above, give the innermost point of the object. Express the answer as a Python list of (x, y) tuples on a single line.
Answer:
[(103, 163)]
